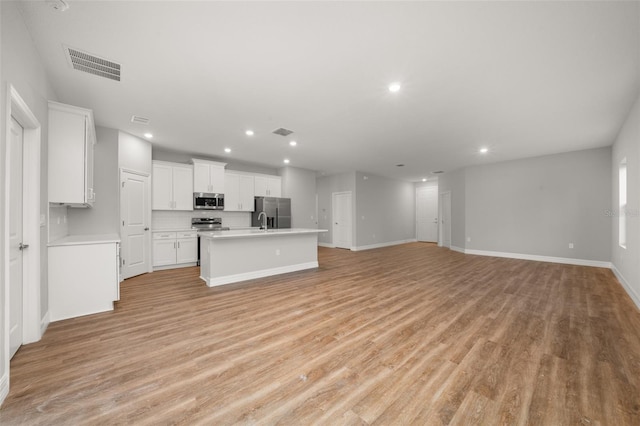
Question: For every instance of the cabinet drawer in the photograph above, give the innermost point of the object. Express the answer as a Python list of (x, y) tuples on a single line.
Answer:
[(164, 235), (187, 234)]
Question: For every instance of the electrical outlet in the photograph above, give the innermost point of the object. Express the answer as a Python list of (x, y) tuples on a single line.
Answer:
[(468, 239), (58, 220), (363, 217), (570, 245)]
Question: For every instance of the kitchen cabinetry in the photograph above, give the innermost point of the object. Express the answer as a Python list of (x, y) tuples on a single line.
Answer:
[(208, 176), (172, 186), (238, 192), (175, 248), (268, 186), (83, 276), (72, 137)]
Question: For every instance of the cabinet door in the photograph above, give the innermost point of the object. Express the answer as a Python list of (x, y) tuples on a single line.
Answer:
[(162, 187), (201, 178), (187, 250), (67, 157), (164, 252), (231, 192), (246, 190), (260, 186), (275, 187), (90, 196), (183, 188), (217, 179)]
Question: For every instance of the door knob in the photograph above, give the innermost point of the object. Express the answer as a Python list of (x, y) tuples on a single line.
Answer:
[(23, 246), (146, 229)]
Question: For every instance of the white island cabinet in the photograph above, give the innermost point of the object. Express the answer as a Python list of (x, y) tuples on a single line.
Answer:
[(231, 256), (83, 275)]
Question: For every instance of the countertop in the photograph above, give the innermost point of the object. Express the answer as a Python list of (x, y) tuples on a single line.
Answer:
[(250, 233), (76, 240)]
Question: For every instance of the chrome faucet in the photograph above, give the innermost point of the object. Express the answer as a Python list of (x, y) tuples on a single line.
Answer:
[(264, 222)]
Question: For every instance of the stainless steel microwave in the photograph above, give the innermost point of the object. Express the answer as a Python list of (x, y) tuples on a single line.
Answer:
[(208, 201)]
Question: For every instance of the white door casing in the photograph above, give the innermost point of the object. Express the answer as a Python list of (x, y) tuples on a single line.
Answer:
[(342, 220), (15, 238), (427, 214), (444, 207), (134, 223)]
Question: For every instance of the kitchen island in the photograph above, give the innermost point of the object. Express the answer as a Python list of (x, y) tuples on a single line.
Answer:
[(230, 256)]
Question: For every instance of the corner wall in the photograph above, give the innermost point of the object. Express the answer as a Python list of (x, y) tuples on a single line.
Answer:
[(326, 186), (455, 183), (626, 261), (300, 185)]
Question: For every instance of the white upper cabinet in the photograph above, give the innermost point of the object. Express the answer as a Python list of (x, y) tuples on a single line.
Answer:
[(72, 137), (238, 192), (172, 186), (208, 176), (268, 186)]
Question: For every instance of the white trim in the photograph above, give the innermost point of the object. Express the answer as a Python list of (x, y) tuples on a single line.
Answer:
[(333, 218), (4, 387), (387, 244), (538, 258), (458, 249), (45, 323), (228, 279), (625, 284), (329, 245), (175, 266)]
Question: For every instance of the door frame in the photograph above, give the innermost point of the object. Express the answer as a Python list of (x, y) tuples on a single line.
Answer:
[(440, 218), (33, 324), (147, 213), (333, 214), (435, 189)]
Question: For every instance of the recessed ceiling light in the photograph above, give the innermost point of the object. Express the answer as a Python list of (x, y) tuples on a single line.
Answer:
[(148, 135), (249, 133), (394, 87), (293, 143), (227, 150), (424, 179), (484, 150), (286, 161)]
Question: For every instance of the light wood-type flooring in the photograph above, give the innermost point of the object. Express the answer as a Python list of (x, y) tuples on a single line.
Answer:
[(410, 334)]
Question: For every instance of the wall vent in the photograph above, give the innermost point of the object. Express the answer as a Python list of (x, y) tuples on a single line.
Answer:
[(139, 120), (86, 62), (282, 131)]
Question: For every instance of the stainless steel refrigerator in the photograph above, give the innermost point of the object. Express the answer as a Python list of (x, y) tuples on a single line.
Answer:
[(278, 211)]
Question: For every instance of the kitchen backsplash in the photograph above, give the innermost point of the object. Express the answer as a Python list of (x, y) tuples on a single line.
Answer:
[(161, 219), (58, 226)]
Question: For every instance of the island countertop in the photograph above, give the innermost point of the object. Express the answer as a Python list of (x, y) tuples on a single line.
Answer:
[(259, 233)]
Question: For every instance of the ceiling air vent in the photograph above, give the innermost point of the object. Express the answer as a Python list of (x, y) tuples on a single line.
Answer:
[(282, 131), (83, 61), (139, 120)]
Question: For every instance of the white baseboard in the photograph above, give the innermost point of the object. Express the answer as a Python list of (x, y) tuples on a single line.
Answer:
[(182, 265), (379, 245), (458, 249), (44, 323), (228, 279), (538, 258), (328, 245), (625, 284), (4, 387)]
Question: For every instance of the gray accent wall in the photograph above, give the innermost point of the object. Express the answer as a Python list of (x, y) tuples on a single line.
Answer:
[(326, 186), (538, 206), (386, 210), (626, 261), (300, 185), (103, 218)]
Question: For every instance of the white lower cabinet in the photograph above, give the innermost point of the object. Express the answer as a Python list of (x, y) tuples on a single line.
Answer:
[(174, 248), (83, 279)]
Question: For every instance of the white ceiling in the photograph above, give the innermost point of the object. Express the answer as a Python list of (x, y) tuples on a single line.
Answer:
[(524, 79)]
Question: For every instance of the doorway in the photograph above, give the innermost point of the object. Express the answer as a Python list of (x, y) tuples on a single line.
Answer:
[(427, 214), (342, 219), (135, 210), (444, 207)]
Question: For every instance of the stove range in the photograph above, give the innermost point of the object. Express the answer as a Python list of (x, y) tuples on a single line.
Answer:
[(208, 224)]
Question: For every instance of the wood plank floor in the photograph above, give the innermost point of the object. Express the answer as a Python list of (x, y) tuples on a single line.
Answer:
[(410, 334)]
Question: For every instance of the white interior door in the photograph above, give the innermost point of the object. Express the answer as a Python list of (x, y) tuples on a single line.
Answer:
[(134, 208), (427, 214), (444, 239), (342, 215), (15, 238)]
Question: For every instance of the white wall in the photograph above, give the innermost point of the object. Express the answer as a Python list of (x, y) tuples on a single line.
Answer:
[(104, 217), (300, 185), (626, 261), (537, 206), (21, 66), (134, 153), (455, 183), (326, 186), (385, 210)]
